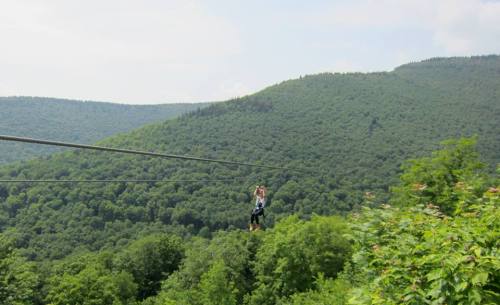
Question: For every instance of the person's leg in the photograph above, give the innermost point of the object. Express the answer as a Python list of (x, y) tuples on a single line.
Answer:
[(252, 219), (260, 212)]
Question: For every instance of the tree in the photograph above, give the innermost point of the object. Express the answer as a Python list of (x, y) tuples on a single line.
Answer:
[(216, 287), (18, 278), (151, 260), (326, 292), (93, 285), (435, 180), (418, 255), (213, 270), (295, 252)]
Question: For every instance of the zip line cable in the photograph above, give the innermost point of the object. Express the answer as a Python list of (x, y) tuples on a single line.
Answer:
[(136, 152)]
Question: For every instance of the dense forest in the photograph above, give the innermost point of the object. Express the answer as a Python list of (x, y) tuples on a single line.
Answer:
[(69, 120), (348, 133), (435, 242), (346, 136)]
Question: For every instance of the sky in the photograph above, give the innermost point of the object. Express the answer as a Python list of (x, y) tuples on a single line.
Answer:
[(169, 51)]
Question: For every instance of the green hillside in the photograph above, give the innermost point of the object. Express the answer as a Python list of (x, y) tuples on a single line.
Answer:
[(349, 132), (68, 120), (435, 243)]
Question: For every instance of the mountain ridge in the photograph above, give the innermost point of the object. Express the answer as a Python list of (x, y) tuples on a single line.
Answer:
[(71, 120)]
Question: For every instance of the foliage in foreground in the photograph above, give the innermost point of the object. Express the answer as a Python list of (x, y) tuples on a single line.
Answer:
[(420, 256), (450, 179), (115, 278), (260, 268), (441, 245), (294, 253)]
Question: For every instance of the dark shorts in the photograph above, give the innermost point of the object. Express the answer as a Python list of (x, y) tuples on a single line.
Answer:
[(258, 211), (255, 215)]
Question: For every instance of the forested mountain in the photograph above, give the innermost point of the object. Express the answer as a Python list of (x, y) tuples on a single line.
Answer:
[(349, 133), (438, 244), (345, 136), (69, 120)]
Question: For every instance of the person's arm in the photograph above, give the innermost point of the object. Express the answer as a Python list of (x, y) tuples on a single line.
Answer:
[(255, 192)]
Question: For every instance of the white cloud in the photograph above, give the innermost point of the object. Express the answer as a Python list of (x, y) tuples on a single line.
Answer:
[(466, 26), (118, 29), (133, 46), (367, 14), (196, 50), (460, 27)]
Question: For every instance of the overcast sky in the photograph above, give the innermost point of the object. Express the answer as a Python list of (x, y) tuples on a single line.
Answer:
[(163, 51)]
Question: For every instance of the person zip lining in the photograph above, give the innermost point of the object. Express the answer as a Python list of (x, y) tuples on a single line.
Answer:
[(260, 202)]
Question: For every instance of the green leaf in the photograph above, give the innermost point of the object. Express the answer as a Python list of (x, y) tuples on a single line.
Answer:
[(474, 297), (480, 278), (434, 275), (461, 287)]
